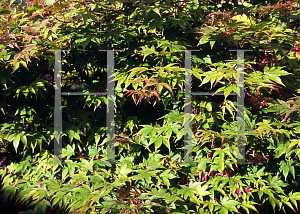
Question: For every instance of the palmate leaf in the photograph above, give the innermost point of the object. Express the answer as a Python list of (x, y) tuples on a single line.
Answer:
[(69, 151), (264, 128), (137, 70), (294, 197), (170, 199), (285, 168), (259, 80), (146, 131), (293, 143), (124, 171), (201, 190), (227, 90), (212, 76), (186, 192), (274, 73), (148, 51), (166, 176), (143, 174), (247, 206), (227, 104), (209, 77), (287, 108), (230, 204)]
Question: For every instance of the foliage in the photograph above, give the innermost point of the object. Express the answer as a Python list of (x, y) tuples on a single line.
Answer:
[(149, 106)]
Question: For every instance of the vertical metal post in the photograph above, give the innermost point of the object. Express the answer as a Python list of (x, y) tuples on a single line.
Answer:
[(57, 107), (109, 113), (240, 108), (110, 117), (188, 134)]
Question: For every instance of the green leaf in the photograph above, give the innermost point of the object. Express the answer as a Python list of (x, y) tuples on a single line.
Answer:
[(71, 169), (212, 44), (97, 139), (3, 81), (24, 139), (172, 198), (292, 170), (148, 51), (285, 169), (166, 176), (16, 65), (158, 142), (274, 73), (201, 190), (195, 4), (69, 151), (289, 205), (167, 86), (124, 171), (230, 204), (156, 10), (195, 72), (76, 136), (179, 135), (16, 142), (273, 202), (64, 173), (11, 2), (295, 196), (71, 135), (207, 59), (187, 192), (223, 210), (145, 131), (204, 39), (167, 143), (244, 205), (24, 64)]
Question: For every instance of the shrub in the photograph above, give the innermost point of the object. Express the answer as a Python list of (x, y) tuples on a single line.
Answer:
[(149, 108)]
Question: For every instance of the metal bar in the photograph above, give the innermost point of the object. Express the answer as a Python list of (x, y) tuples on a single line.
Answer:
[(212, 93), (82, 93), (240, 108), (57, 108)]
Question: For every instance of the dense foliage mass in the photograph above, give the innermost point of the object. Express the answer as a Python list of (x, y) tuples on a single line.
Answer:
[(149, 108)]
